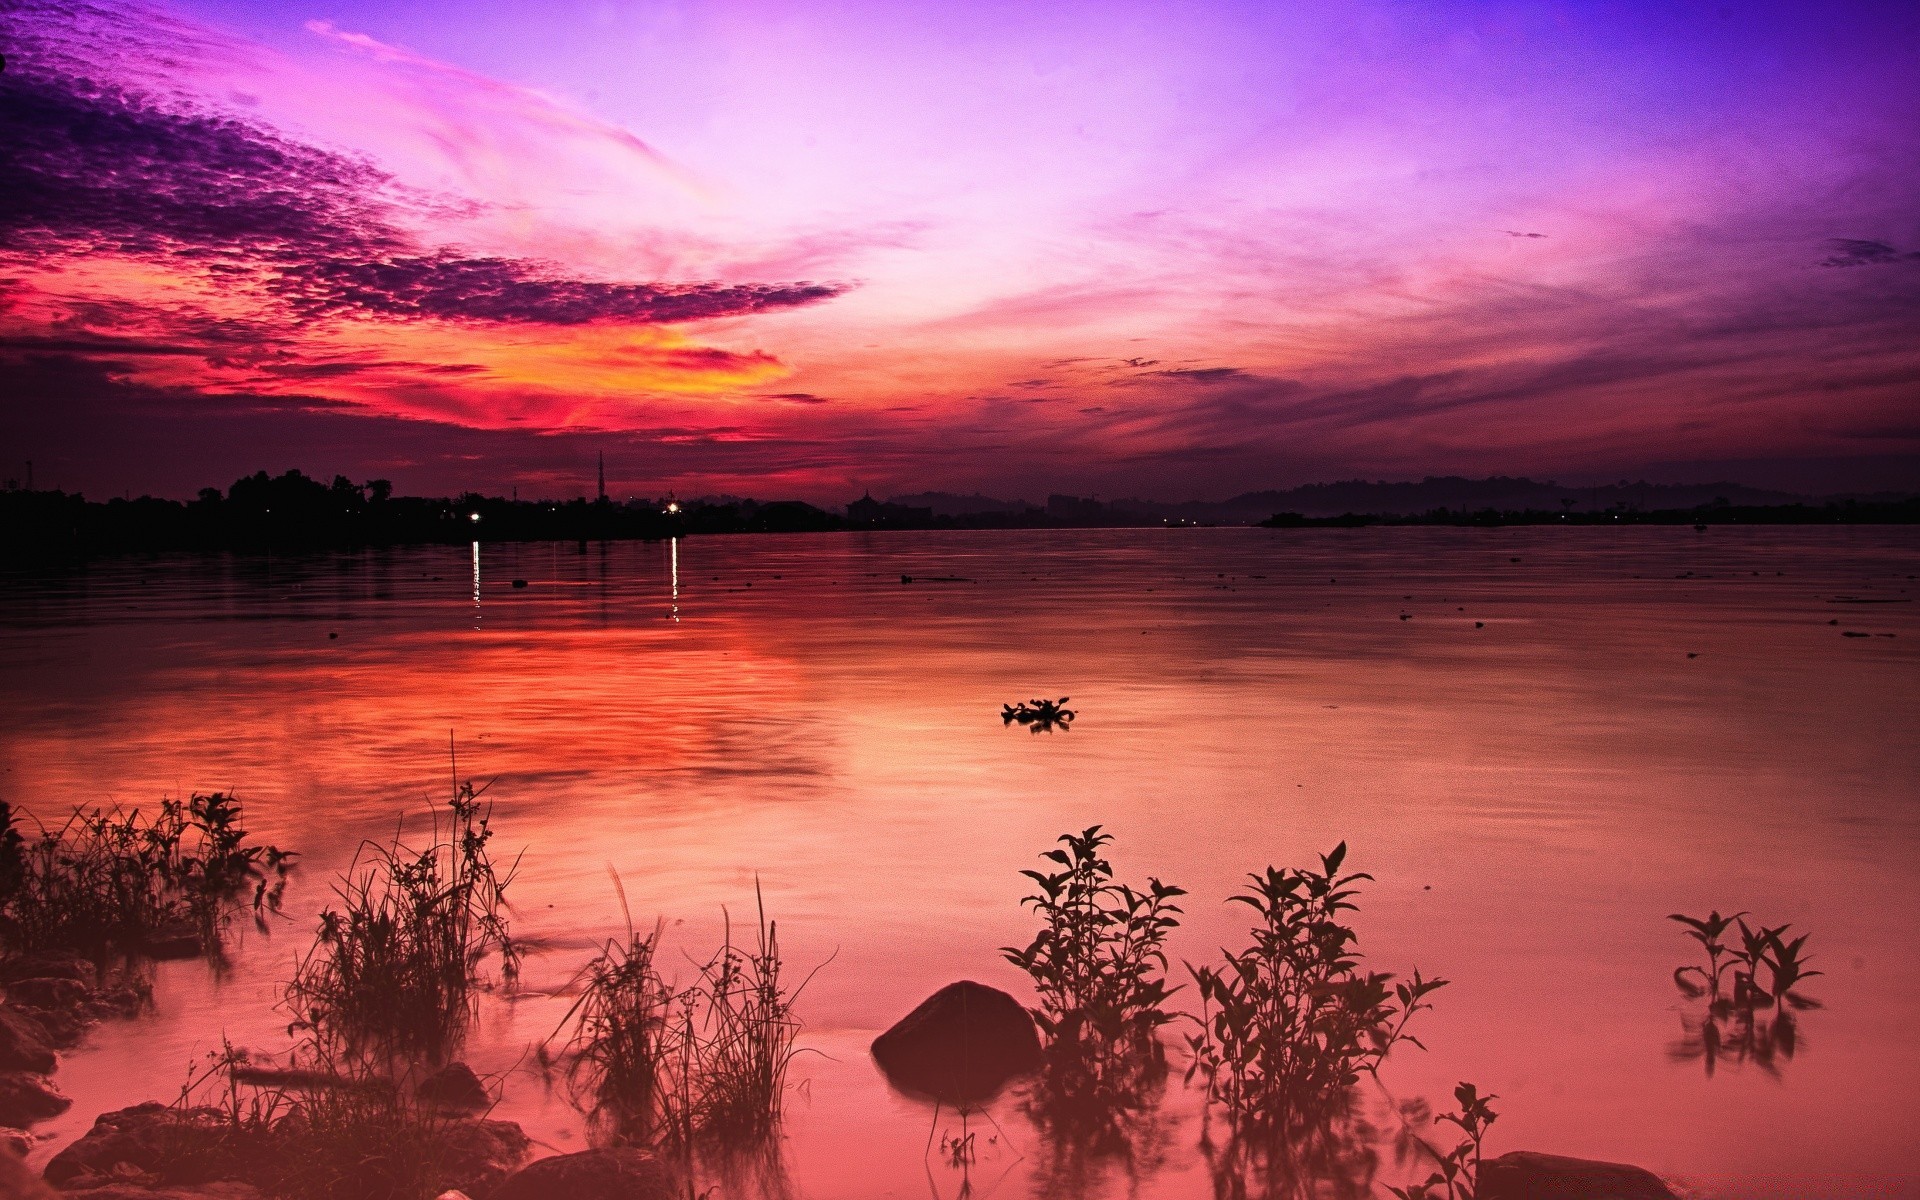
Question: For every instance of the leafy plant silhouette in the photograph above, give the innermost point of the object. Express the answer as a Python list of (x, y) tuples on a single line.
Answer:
[(1751, 1021), (1040, 716), (1098, 963), (1457, 1176), (1289, 1025)]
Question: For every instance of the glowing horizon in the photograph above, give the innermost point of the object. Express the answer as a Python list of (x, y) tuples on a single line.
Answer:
[(1112, 248)]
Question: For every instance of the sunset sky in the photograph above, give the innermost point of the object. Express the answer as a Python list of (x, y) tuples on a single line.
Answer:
[(800, 250)]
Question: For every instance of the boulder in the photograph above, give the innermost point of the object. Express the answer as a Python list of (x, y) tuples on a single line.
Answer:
[(17, 1142), (224, 1189), (48, 966), (26, 1098), (455, 1087), (960, 1046), (25, 1044), (1528, 1175), (625, 1174), (49, 991), (129, 1141), (477, 1155)]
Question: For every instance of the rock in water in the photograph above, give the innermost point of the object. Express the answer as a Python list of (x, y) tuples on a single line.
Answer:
[(26, 1098), (625, 1174), (131, 1141), (961, 1046), (1527, 1175), (456, 1087), (24, 1043)]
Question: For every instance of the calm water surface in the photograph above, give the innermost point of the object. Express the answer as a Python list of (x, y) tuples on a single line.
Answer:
[(1648, 721)]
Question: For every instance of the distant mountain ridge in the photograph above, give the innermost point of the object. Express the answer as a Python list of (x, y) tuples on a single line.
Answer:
[(1383, 498)]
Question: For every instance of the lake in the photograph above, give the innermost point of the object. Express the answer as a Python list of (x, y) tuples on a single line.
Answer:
[(1539, 741)]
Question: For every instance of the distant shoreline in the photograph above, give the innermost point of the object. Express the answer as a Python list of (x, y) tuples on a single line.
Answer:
[(56, 525)]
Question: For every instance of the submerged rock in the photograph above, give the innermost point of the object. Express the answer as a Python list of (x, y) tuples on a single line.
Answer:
[(961, 1045), (25, 1044), (456, 1087), (51, 991), (17, 1142), (625, 1174), (26, 1098), (1528, 1175)]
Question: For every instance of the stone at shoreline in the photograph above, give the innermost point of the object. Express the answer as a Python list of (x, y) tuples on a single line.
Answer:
[(455, 1087), (180, 940), (1529, 1175), (26, 1098), (25, 1044), (224, 1189), (137, 1140), (49, 991), (48, 966), (625, 1174), (478, 1155), (961, 1045), (16, 1141), (134, 1147)]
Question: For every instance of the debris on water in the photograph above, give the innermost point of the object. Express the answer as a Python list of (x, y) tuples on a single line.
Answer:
[(1693, 654), (1853, 633), (332, 636), (1479, 624), (1039, 715), (519, 583)]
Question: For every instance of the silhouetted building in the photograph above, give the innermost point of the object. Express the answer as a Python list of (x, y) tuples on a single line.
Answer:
[(1074, 508), (875, 514)]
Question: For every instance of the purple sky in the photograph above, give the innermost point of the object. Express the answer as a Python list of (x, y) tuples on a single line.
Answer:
[(1174, 251)]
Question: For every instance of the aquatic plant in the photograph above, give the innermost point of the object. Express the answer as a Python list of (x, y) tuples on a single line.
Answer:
[(701, 1068), (1289, 1025), (1098, 964), (1039, 715), (118, 880), (1457, 1176), (1754, 1021), (395, 967), (1708, 931), (1762, 948), (624, 1035), (1098, 960)]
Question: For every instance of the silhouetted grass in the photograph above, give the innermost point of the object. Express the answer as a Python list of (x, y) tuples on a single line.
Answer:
[(394, 970), (695, 1069), (115, 880)]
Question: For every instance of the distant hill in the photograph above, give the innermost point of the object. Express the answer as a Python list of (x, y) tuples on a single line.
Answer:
[(949, 504), (1455, 493)]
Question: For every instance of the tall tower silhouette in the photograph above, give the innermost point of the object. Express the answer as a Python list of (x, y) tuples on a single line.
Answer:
[(603, 477)]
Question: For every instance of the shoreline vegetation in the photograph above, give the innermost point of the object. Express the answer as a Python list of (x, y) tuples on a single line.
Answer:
[(263, 513), (682, 1084)]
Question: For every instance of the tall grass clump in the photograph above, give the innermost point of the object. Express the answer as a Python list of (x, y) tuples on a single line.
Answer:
[(395, 970), (118, 880), (1098, 964), (695, 1069), (1291, 1023)]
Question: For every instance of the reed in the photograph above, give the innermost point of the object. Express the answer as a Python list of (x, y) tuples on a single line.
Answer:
[(695, 1070), (113, 880), (396, 966)]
